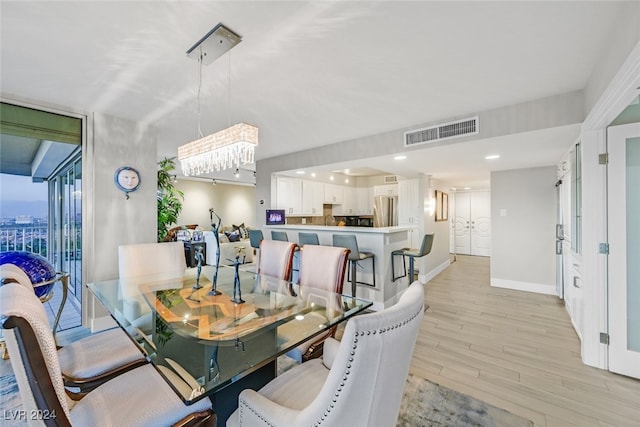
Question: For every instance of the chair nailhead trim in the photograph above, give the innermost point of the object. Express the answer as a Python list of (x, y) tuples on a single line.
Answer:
[(351, 359)]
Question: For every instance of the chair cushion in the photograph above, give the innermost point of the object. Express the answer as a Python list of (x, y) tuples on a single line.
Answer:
[(295, 389), (150, 402), (98, 354)]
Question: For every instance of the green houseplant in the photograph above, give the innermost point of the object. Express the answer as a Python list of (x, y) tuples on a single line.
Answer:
[(169, 198)]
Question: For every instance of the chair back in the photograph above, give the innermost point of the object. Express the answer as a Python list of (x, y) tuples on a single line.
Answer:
[(13, 273), (323, 267), (427, 244), (308, 239), (164, 259), (368, 374), (34, 357), (276, 258), (255, 237), (348, 241), (279, 235)]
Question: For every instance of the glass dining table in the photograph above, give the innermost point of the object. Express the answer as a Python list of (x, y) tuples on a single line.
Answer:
[(214, 346)]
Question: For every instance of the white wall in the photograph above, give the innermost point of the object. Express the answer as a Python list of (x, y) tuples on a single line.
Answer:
[(439, 257), (236, 204), (624, 37), (523, 240), (112, 143)]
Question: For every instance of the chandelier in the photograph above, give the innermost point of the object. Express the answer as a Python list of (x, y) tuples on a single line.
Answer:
[(230, 147)]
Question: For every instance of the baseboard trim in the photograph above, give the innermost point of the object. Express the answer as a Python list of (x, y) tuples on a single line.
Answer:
[(537, 288), (425, 278)]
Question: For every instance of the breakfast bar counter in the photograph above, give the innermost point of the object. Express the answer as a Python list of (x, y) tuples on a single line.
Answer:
[(380, 241)]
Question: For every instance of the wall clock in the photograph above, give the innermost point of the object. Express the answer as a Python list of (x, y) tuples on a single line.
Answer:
[(127, 179)]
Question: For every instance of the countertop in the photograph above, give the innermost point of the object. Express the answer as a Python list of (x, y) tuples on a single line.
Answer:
[(346, 229)]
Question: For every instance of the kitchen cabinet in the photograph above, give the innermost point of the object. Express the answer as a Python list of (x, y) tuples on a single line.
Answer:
[(364, 200), (312, 198), (349, 204), (409, 209), (289, 195), (333, 194)]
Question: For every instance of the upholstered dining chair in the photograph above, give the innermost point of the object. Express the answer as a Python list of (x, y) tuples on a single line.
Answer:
[(276, 258), (358, 382), (90, 361), (321, 267), (164, 260), (139, 397)]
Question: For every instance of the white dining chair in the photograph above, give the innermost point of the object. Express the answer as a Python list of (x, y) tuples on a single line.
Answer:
[(359, 381)]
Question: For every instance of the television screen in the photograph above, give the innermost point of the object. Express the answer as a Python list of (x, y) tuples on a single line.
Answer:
[(275, 216)]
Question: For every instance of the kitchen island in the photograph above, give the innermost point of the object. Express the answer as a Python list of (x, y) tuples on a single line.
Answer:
[(380, 241)]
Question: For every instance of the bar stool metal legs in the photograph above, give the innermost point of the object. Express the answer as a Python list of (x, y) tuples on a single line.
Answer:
[(412, 254)]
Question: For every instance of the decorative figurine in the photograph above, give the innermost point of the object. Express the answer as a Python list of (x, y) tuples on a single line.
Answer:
[(216, 228), (237, 292), (199, 257)]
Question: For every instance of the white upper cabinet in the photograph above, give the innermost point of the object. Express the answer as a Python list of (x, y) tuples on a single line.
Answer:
[(333, 194), (312, 198), (289, 195), (408, 202), (365, 201)]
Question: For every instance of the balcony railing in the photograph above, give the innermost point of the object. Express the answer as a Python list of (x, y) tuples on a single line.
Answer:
[(30, 238)]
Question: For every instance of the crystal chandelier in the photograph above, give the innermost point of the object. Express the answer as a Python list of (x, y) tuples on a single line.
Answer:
[(230, 147)]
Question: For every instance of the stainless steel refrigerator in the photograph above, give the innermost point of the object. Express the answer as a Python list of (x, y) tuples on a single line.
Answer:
[(385, 211)]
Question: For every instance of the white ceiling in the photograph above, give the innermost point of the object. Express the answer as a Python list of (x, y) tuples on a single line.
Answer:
[(309, 73)]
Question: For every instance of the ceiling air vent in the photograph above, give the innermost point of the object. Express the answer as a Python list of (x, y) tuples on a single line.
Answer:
[(390, 179), (442, 131)]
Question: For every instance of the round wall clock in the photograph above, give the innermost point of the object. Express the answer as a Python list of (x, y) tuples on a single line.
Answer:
[(127, 179)]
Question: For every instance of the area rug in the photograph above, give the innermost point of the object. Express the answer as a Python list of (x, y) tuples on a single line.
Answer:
[(424, 404)]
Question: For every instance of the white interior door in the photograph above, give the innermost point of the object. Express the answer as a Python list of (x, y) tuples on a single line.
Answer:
[(623, 145), (463, 223), (480, 223)]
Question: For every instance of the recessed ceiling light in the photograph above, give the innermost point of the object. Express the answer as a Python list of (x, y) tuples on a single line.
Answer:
[(399, 157), (346, 180), (331, 177), (313, 174), (300, 172), (467, 188), (492, 156)]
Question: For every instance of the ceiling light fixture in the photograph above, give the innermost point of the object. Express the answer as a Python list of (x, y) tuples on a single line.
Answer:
[(237, 173), (233, 146), (300, 172), (400, 158), (492, 157)]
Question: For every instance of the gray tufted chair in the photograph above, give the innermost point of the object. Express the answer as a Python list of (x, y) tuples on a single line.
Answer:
[(358, 382)]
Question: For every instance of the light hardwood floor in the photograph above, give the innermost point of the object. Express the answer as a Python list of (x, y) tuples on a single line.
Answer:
[(515, 350)]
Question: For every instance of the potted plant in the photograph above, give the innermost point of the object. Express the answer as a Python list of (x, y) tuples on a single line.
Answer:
[(169, 198)]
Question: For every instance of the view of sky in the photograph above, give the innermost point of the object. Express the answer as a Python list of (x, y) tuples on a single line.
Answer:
[(20, 196)]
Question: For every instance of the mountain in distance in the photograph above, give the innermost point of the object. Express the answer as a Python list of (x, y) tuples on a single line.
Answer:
[(14, 208)]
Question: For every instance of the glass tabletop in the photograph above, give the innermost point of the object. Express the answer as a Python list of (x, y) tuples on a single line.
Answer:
[(201, 342)]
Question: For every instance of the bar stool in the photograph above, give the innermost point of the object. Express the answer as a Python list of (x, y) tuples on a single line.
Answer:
[(255, 237), (308, 239), (279, 235), (412, 254), (349, 241)]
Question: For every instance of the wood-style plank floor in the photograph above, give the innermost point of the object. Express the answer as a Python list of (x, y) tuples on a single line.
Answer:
[(517, 351)]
